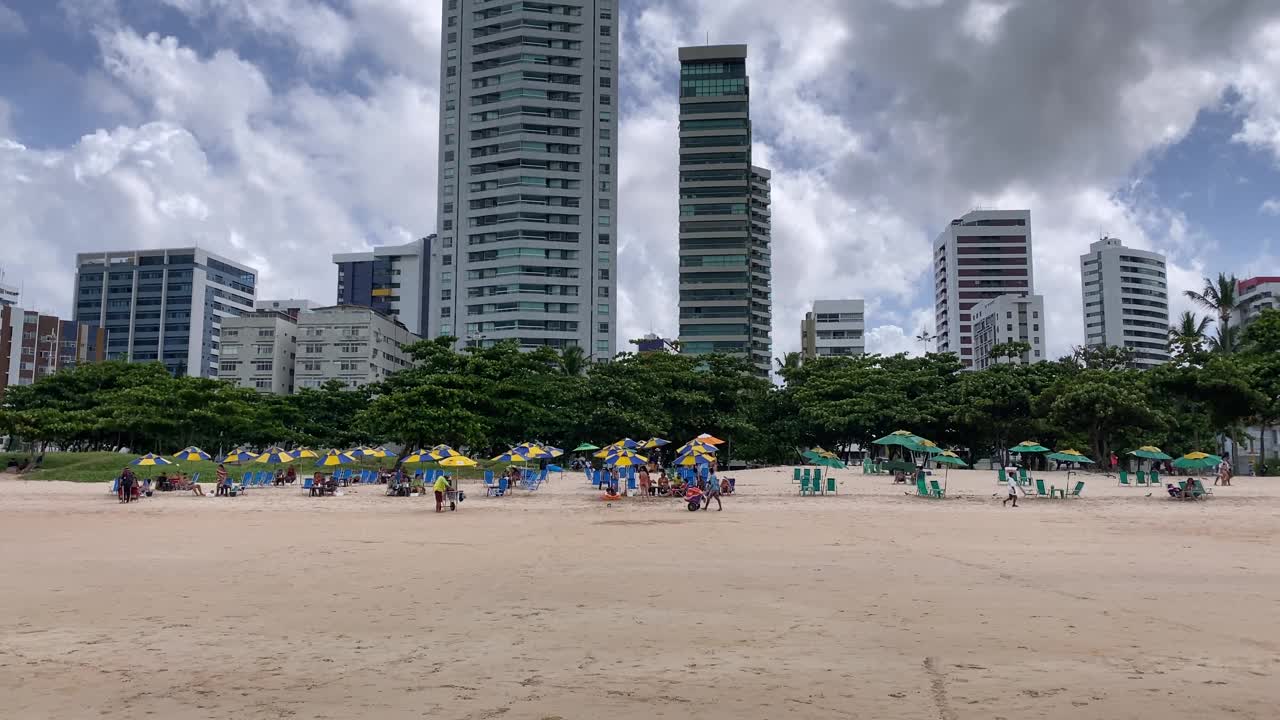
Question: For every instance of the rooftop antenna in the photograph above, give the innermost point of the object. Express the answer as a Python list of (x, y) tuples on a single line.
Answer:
[(708, 37)]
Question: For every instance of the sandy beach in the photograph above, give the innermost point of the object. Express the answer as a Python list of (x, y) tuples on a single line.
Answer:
[(868, 604)]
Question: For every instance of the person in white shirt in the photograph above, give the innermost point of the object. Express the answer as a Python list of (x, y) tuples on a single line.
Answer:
[(1012, 479)]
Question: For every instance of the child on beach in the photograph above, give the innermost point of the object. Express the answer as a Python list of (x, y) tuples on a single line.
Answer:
[(1012, 480)]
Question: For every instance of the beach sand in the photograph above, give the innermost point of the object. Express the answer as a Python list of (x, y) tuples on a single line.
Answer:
[(868, 604)]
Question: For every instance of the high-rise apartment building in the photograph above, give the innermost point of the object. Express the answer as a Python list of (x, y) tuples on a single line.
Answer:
[(725, 264), (163, 305), (1126, 301), (394, 280), (833, 328), (1008, 319), (980, 256), (34, 345), (528, 195), (1252, 297)]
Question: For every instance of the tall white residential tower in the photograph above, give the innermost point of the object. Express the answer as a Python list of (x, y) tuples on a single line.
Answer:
[(1126, 301), (528, 198)]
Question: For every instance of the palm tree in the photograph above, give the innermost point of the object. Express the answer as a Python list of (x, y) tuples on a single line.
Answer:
[(1220, 299), (573, 360), (1187, 336), (788, 362)]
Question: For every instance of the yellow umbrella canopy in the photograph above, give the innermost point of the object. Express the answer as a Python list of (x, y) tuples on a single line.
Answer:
[(534, 451), (304, 453), (376, 452), (151, 459), (458, 461)]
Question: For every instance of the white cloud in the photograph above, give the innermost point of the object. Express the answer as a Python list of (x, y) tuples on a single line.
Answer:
[(1270, 206), (321, 33), (11, 23), (880, 122)]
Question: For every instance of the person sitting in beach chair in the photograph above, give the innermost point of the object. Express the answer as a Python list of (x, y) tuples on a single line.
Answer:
[(1174, 491), (726, 487), (664, 484)]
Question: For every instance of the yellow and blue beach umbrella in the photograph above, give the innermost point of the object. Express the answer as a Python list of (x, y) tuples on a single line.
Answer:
[(191, 454), (514, 455), (626, 459), (440, 452), (303, 453), (333, 457), (238, 456), (275, 456), (151, 459)]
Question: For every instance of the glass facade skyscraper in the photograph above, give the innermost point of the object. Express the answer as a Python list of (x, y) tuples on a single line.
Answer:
[(725, 263)]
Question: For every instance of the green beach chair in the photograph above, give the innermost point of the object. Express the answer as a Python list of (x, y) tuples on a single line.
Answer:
[(1022, 477), (1001, 477), (922, 490), (804, 485), (937, 490), (1040, 492), (795, 477), (1142, 478), (831, 484), (816, 480), (1199, 490), (1124, 478), (805, 475), (1076, 491), (1155, 478)]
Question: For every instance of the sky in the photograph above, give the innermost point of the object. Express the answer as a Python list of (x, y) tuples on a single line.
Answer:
[(279, 132)]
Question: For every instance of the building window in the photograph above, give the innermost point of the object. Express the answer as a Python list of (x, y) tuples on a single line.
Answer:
[(606, 100), (446, 311), (602, 346), (606, 30), (448, 157), (446, 276), (263, 366), (605, 151), (603, 238), (446, 294), (228, 366), (602, 327), (603, 221), (604, 274), (446, 260), (606, 82), (605, 168), (604, 204), (262, 384), (453, 21), (453, 38), (606, 134), (602, 292), (602, 309)]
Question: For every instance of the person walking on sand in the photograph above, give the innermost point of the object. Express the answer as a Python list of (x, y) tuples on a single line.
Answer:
[(711, 490), (221, 489), (127, 478), (1012, 480), (442, 485)]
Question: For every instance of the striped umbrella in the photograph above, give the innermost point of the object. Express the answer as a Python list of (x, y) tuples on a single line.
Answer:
[(275, 456), (151, 459), (192, 454), (238, 456), (304, 453), (333, 457)]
